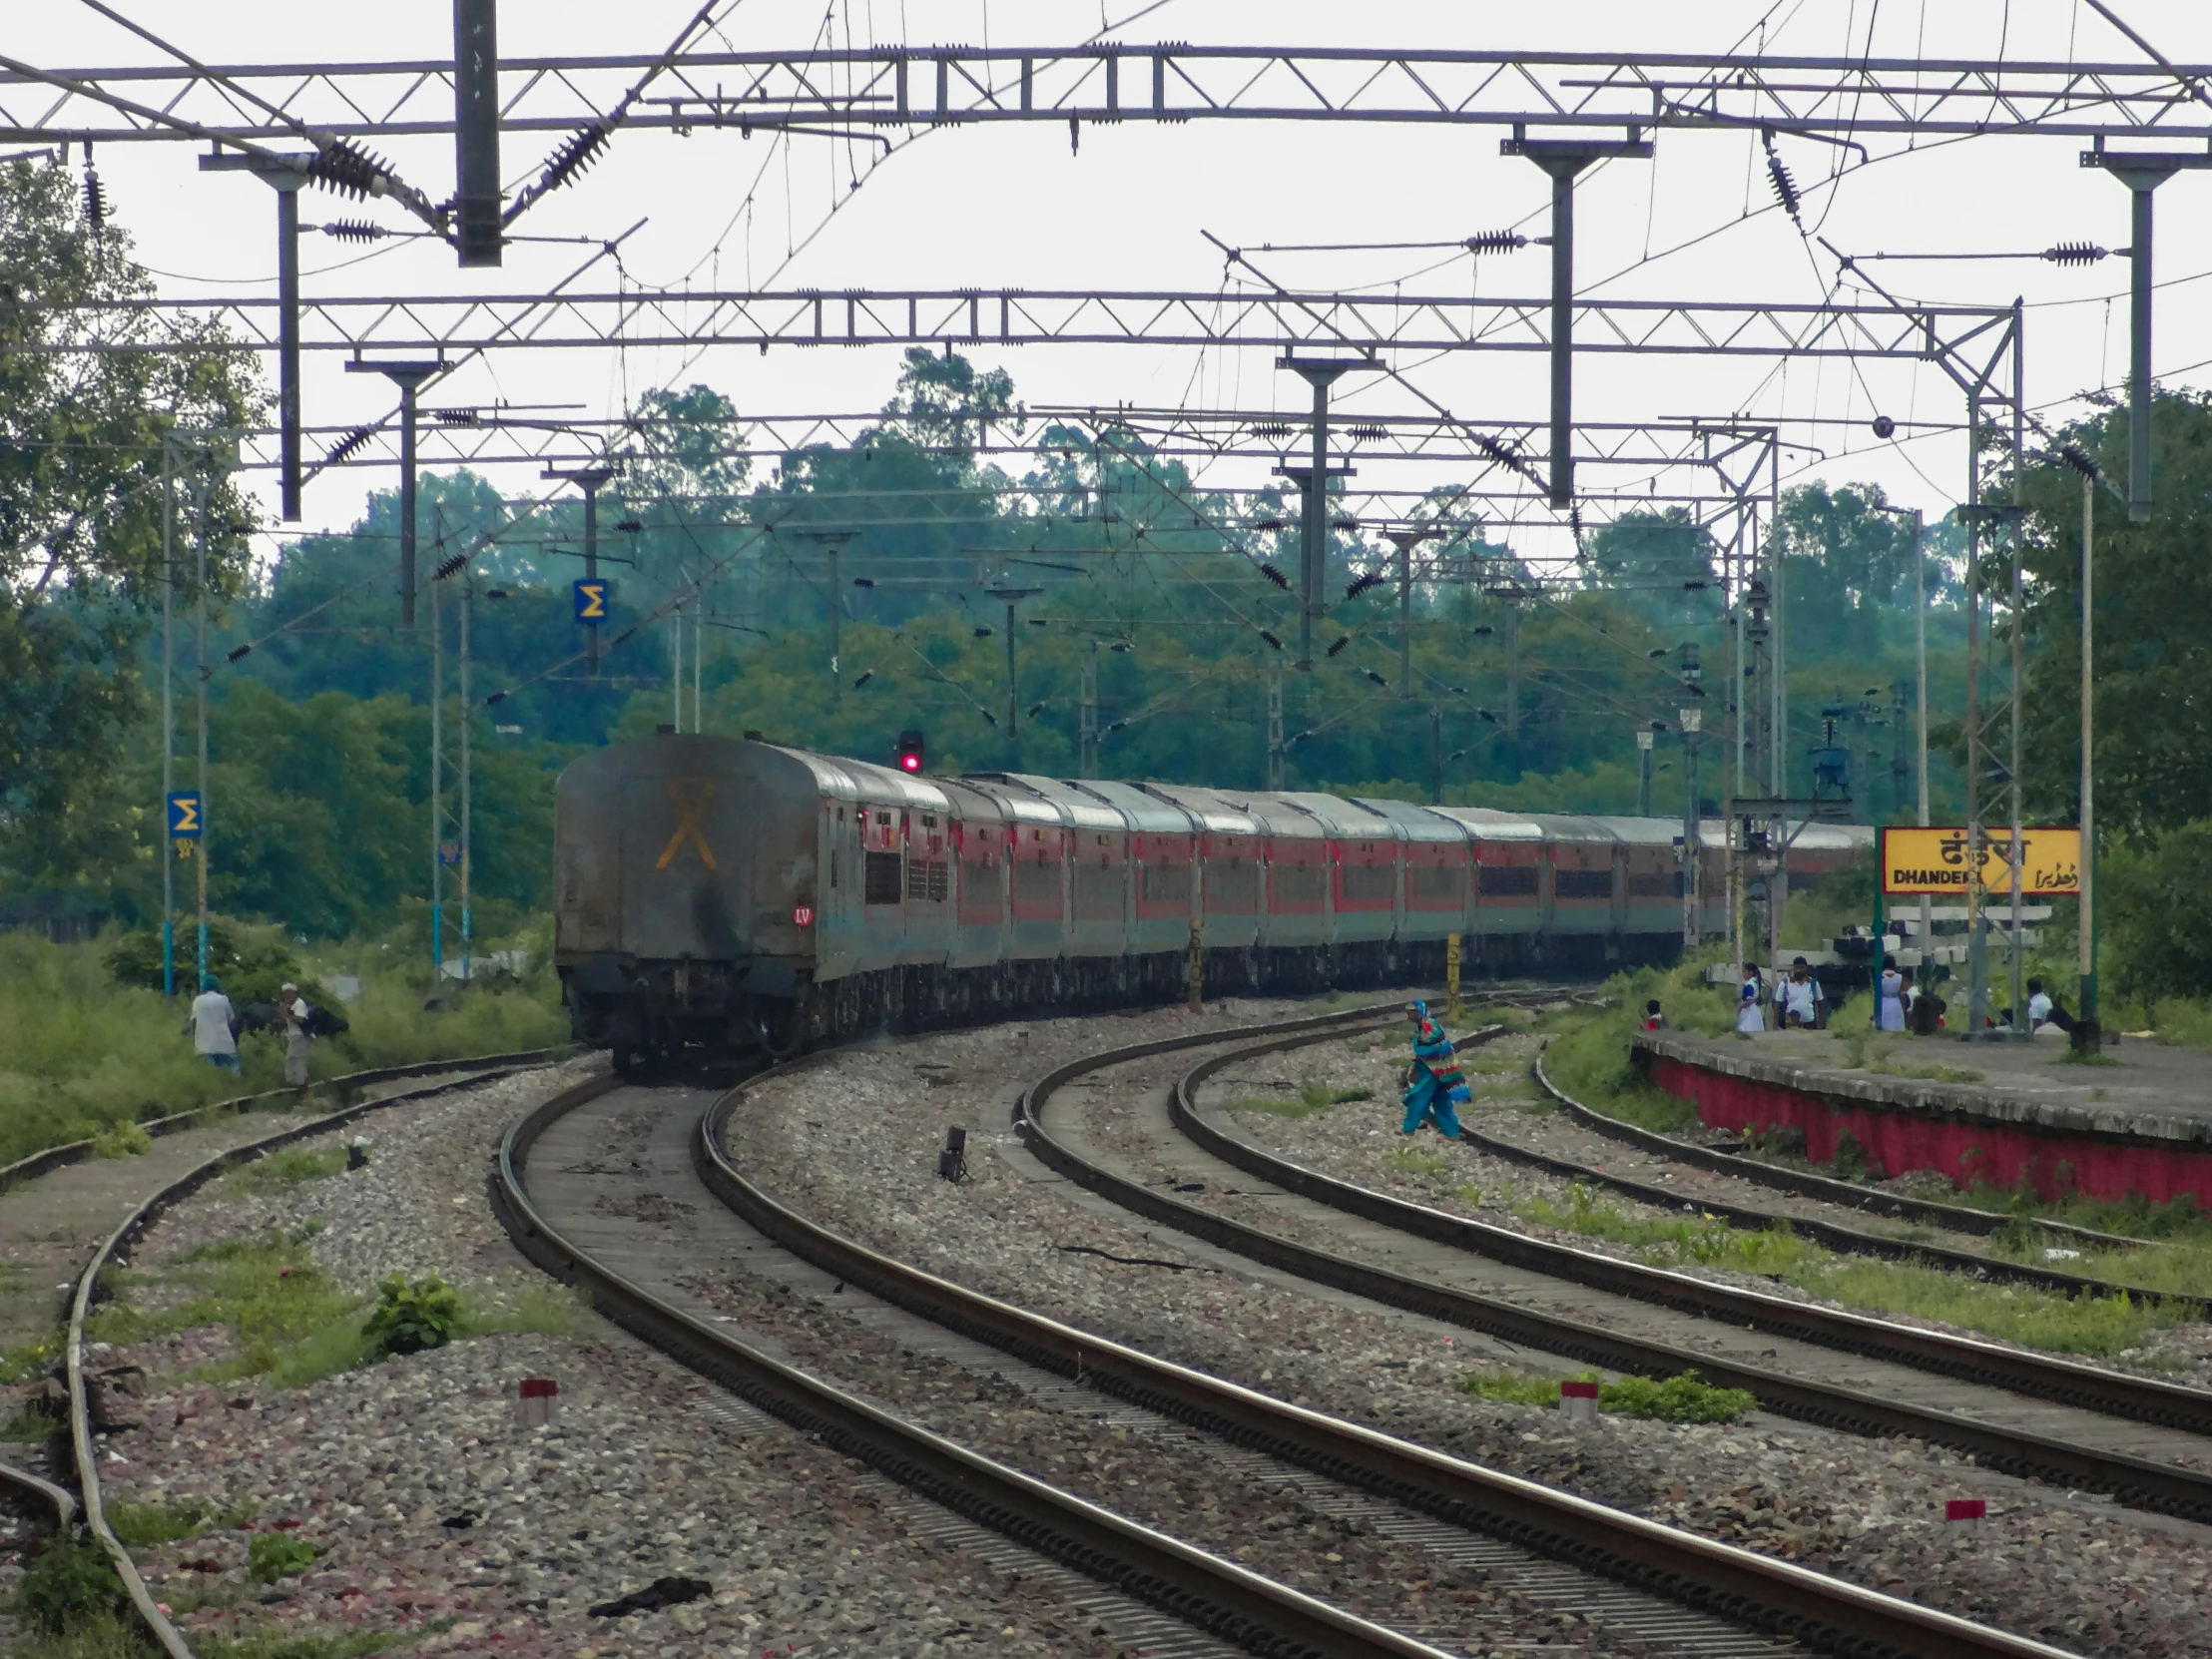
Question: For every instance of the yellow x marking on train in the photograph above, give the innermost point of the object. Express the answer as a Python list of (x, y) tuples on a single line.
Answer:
[(690, 797)]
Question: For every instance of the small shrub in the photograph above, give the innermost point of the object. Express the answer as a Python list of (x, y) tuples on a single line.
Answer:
[(143, 1525), (274, 1555), (69, 1584), (1681, 1398), (126, 1139), (1852, 1162), (289, 1168), (411, 1318)]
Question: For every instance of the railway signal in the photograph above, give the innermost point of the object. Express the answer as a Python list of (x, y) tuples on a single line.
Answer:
[(912, 751)]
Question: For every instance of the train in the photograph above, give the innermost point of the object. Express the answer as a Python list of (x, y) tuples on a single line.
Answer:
[(730, 894)]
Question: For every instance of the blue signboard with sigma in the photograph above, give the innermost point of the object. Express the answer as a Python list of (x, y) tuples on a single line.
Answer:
[(184, 816), (593, 595)]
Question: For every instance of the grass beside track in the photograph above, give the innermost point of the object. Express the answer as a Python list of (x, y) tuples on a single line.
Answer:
[(82, 1056)]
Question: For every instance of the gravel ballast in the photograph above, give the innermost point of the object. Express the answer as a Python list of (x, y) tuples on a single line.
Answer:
[(854, 1145), (434, 1515)]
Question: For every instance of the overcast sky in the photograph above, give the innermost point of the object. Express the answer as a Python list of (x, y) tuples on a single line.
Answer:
[(1012, 205)]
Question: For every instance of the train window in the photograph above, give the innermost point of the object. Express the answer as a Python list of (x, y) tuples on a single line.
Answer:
[(883, 817), (841, 814), (929, 820)]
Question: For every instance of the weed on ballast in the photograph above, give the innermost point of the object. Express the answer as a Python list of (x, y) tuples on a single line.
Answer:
[(1679, 1399), (1703, 1240), (294, 1644), (143, 1525), (1430, 1166), (276, 1555), (1312, 1097), (2047, 1319), (282, 1170)]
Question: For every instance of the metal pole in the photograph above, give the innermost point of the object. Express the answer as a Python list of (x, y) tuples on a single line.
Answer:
[(2139, 350), (438, 797), (468, 604), (1690, 723), (1978, 956), (287, 339), (1087, 717), (1013, 689), (1274, 730), (1435, 752), (837, 629), (1313, 555), (1513, 671), (591, 568), (169, 712), (1920, 693), (2086, 1021), (697, 651), (1643, 772), (407, 501), (676, 665), (1562, 335), (2017, 623), (207, 837), (1404, 616)]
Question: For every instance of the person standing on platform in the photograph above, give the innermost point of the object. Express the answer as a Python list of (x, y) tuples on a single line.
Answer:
[(1890, 1011), (1800, 998), (1435, 1087), (1749, 1016), (214, 1025)]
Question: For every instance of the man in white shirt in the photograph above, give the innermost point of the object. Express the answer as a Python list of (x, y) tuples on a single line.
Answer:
[(292, 1010), (1801, 997), (214, 1025)]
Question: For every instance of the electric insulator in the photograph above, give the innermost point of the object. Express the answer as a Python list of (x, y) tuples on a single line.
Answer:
[(1497, 242), (1276, 576), (355, 230), (1342, 641), (2076, 253), (96, 202), (1271, 639), (347, 445)]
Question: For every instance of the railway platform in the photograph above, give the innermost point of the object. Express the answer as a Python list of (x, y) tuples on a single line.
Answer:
[(2001, 1113)]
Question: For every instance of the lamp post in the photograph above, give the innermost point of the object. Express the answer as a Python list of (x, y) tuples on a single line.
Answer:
[(1643, 770), (1920, 693)]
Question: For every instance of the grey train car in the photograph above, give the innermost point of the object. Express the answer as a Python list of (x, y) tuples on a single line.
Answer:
[(732, 894)]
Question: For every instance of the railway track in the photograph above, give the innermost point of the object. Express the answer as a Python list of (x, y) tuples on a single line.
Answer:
[(1530, 1531), (1955, 1218), (1832, 1236), (1588, 1308), (86, 1503), (1227, 1602)]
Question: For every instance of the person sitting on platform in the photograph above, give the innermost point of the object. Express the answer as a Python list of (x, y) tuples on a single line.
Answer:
[(2042, 1010), (1435, 1086), (1654, 1021), (1928, 1007)]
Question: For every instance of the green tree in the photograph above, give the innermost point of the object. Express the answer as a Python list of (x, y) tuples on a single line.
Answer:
[(80, 464)]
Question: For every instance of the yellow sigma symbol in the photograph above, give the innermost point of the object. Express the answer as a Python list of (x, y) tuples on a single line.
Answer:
[(591, 601), (690, 797)]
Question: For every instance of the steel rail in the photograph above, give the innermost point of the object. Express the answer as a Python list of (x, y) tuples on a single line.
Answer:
[(1753, 1589), (1216, 1595), (2087, 1388), (2151, 1485), (1958, 1218), (1847, 1240), (115, 1251)]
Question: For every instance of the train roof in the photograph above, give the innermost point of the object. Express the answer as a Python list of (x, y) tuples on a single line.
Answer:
[(1045, 800), (1490, 825), (1414, 821), (1212, 810), (1645, 831), (1339, 816), (1144, 812)]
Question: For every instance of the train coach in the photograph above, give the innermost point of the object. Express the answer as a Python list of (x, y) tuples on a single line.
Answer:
[(733, 893)]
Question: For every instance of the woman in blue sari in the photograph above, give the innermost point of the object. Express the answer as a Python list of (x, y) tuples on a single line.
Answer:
[(1437, 1087)]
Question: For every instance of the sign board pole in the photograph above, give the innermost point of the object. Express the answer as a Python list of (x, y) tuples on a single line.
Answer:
[(201, 861), (2086, 1029), (169, 710), (1880, 865)]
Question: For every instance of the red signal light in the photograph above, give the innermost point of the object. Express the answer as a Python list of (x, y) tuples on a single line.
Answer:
[(912, 751), (910, 763)]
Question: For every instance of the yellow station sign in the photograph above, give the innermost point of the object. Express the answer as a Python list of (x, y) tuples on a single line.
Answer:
[(1916, 860)]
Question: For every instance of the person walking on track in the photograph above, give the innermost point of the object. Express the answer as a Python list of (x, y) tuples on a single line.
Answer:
[(214, 1025), (1435, 1087)]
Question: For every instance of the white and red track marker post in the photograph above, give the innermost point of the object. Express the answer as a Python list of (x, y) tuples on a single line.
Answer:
[(1966, 1513), (1579, 1400), (540, 1394)]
